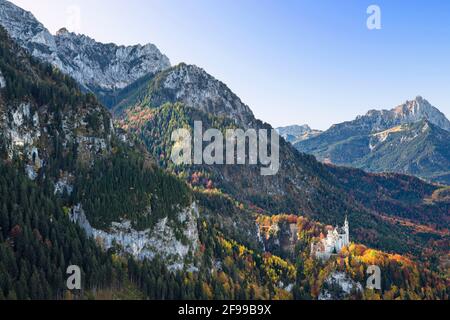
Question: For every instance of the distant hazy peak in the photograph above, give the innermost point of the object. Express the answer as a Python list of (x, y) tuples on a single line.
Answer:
[(296, 133), (294, 129)]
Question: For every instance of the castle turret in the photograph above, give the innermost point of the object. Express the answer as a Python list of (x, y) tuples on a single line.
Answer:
[(347, 232)]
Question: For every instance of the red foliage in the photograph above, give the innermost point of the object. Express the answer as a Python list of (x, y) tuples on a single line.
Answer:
[(15, 231), (38, 235)]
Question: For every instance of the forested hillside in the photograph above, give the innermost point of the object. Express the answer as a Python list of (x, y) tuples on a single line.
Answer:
[(303, 185), (50, 164)]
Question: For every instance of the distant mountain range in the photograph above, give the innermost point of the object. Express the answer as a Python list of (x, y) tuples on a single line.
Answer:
[(413, 138), (297, 133)]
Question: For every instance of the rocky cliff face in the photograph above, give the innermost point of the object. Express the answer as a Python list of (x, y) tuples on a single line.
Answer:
[(28, 32), (40, 121), (27, 132), (196, 89), (96, 66), (106, 66), (339, 286), (161, 240)]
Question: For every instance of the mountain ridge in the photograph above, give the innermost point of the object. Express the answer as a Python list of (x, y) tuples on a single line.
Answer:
[(192, 86), (295, 133), (101, 68), (408, 112), (364, 142)]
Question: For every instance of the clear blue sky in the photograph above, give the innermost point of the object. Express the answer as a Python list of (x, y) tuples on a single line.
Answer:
[(292, 62)]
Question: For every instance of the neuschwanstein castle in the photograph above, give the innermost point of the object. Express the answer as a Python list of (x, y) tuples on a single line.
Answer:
[(336, 239)]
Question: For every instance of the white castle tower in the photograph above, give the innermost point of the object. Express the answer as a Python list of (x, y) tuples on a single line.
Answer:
[(347, 232)]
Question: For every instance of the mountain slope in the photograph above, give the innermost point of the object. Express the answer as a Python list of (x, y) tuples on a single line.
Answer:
[(421, 149), (61, 137), (100, 68), (381, 141), (49, 132), (195, 88)]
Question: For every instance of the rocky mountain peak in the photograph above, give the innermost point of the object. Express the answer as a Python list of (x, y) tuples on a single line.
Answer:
[(420, 109), (195, 88), (408, 112), (413, 107), (28, 32), (96, 66), (62, 31), (107, 66)]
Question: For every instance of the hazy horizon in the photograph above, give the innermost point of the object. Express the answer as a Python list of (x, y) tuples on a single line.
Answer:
[(295, 62)]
